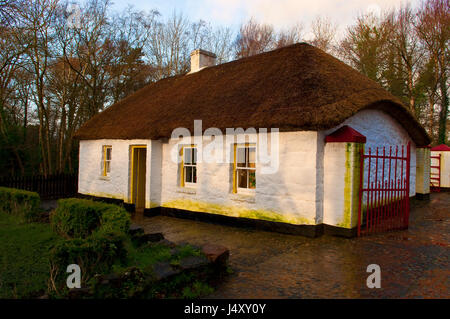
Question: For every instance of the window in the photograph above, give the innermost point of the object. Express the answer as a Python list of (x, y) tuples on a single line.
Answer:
[(189, 166), (106, 160), (244, 167)]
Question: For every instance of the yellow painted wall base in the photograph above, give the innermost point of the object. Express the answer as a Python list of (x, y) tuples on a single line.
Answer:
[(105, 195), (148, 204), (233, 211)]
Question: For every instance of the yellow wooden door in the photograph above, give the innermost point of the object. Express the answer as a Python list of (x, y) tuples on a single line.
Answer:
[(139, 160)]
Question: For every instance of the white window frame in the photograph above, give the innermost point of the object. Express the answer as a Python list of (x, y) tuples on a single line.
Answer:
[(105, 172), (185, 183), (246, 168)]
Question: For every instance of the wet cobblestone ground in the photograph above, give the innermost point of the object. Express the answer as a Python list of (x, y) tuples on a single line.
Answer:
[(414, 263)]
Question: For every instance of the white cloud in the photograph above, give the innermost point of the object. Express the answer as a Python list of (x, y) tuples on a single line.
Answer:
[(283, 13)]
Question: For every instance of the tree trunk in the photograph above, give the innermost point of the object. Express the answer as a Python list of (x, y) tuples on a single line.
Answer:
[(41, 142), (61, 140), (412, 100), (442, 137)]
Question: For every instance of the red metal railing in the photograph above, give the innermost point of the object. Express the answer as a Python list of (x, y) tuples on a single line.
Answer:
[(384, 196), (435, 178)]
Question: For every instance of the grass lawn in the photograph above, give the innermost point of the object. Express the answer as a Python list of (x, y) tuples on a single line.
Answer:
[(25, 252), (24, 257), (146, 256), (185, 285)]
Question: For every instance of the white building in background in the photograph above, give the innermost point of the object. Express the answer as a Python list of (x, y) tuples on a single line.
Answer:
[(440, 162)]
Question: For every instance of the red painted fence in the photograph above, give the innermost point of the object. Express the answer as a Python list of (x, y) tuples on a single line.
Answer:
[(384, 190)]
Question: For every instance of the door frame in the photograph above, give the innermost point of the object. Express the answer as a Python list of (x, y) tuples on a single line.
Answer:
[(132, 148)]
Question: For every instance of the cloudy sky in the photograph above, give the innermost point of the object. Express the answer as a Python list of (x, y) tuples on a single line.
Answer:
[(280, 13)]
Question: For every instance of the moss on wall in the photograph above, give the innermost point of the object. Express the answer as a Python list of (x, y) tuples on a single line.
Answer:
[(105, 195), (351, 187), (148, 204), (235, 211)]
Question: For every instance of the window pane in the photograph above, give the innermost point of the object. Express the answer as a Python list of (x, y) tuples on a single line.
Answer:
[(188, 174), (251, 179), (242, 178), (108, 153), (194, 174), (240, 157), (194, 152), (251, 157), (108, 166), (187, 155)]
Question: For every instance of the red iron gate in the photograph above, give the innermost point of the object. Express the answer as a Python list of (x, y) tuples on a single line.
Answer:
[(384, 196), (435, 176)]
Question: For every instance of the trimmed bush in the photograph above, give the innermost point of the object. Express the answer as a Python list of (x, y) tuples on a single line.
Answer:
[(115, 219), (20, 203), (95, 254), (79, 218), (97, 236)]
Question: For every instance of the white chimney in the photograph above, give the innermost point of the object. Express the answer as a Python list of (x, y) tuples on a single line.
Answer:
[(201, 59)]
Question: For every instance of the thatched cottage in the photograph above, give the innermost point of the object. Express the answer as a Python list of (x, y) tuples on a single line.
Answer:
[(125, 151)]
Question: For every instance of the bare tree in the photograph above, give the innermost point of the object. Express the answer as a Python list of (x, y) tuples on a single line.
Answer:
[(11, 54), (168, 47), (254, 38), (37, 19), (128, 70), (408, 53), (364, 47), (289, 36), (324, 33), (221, 43), (433, 29)]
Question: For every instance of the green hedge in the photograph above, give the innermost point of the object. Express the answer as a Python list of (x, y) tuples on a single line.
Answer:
[(20, 202), (96, 238), (79, 218), (95, 254)]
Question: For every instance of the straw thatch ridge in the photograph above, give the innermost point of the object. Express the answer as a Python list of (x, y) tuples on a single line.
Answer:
[(298, 87)]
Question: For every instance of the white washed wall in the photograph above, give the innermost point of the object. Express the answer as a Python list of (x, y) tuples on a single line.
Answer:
[(292, 190), (334, 183), (116, 185), (382, 130)]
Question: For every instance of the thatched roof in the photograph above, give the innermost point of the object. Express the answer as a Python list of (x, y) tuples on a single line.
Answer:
[(298, 87)]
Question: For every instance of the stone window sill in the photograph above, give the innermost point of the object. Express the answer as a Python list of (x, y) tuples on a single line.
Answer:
[(187, 190), (247, 198), (104, 178)]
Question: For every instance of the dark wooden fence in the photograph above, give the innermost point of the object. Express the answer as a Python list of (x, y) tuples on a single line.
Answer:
[(48, 187)]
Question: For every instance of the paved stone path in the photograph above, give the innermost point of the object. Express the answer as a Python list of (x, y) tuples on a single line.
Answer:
[(414, 263)]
